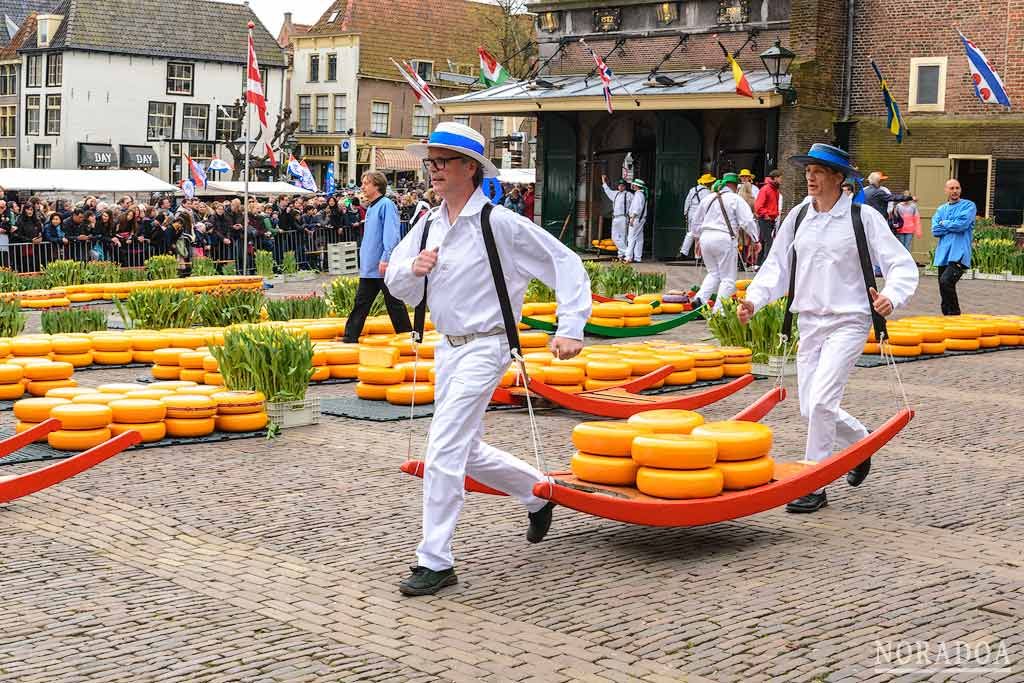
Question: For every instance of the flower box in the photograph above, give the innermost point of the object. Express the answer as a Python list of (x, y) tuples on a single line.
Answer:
[(989, 276), (771, 368), (287, 414)]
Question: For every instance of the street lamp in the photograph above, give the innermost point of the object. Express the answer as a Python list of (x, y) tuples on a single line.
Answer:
[(777, 60)]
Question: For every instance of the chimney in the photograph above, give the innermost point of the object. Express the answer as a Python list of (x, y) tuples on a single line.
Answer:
[(287, 18)]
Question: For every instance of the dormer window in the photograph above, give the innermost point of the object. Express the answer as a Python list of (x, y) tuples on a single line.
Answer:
[(46, 27)]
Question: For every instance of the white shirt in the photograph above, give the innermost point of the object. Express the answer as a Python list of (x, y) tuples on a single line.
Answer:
[(638, 207), (754, 189), (692, 203), (709, 215), (461, 294), (620, 200), (828, 273)]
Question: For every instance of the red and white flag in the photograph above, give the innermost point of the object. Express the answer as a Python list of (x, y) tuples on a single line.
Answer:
[(254, 95), (418, 85)]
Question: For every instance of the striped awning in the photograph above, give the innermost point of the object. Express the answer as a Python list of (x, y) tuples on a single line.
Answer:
[(396, 160)]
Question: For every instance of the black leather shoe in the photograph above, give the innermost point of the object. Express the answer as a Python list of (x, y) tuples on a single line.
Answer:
[(812, 502), (540, 522), (858, 474), (425, 581)]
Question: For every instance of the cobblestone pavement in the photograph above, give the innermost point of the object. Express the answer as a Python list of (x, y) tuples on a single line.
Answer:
[(277, 561)]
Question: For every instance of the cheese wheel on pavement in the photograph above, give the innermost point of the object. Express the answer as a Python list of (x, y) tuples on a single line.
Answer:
[(249, 422), (77, 440), (11, 373), (609, 370), (41, 387), (79, 416), (149, 431), (97, 398), (956, 344), (49, 371), (190, 427), (681, 362), (872, 348), (679, 484), (20, 427), (403, 394), (597, 384), (710, 374), (77, 360), (668, 421), (607, 322), (346, 354), (37, 409), (533, 340), (372, 392), (239, 402), (31, 346), (150, 342), (112, 357), (137, 410), (600, 469), (905, 351), (171, 385), (904, 338), (560, 375), (933, 347), (989, 341), (165, 372), (736, 439), (369, 374), (613, 439), (71, 345), (674, 451), (12, 392), (111, 343), (737, 369), (189, 406), (69, 392), (746, 474)]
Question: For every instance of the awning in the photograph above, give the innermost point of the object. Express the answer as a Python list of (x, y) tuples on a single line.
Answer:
[(75, 180), (96, 156), (523, 176), (133, 156), (260, 189), (707, 89), (396, 160)]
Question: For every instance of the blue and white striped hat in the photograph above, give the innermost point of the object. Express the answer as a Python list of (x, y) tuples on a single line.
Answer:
[(457, 138)]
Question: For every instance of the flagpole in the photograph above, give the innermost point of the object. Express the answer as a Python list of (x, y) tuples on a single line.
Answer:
[(248, 154)]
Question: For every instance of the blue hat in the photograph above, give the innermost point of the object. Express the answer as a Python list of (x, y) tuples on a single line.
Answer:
[(827, 155)]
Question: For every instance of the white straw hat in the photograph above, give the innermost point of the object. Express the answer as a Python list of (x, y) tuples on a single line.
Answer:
[(457, 138)]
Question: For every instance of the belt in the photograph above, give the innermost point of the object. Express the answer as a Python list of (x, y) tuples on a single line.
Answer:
[(618, 215), (462, 340)]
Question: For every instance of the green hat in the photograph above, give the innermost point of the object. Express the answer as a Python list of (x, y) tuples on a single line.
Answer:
[(730, 178), (622, 181), (718, 185), (639, 183)]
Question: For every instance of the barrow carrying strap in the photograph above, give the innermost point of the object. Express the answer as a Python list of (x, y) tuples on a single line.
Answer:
[(725, 215), (420, 315), (509, 320), (787, 318)]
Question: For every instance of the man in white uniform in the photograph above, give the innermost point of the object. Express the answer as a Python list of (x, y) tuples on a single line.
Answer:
[(830, 298), (474, 354), (691, 205), (620, 199), (720, 218), (637, 219)]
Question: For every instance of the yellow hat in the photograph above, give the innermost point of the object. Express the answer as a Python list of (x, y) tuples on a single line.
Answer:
[(746, 172), (706, 179)]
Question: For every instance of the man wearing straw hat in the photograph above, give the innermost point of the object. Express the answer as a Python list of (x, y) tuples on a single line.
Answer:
[(620, 199), (819, 238), (691, 204), (465, 308), (637, 219)]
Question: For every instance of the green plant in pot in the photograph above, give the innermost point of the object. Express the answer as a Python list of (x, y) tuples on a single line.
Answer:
[(264, 263), (760, 335), (266, 359), (12, 320), (289, 265)]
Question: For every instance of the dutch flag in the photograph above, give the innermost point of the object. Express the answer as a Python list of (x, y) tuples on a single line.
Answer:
[(987, 84)]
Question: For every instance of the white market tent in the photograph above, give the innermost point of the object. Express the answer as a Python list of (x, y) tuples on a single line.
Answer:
[(523, 176), (260, 189), (77, 180)]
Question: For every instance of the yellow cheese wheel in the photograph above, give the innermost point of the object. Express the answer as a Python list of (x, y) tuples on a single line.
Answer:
[(201, 390), (378, 356), (189, 406), (49, 371), (635, 310), (670, 308), (668, 421), (239, 402), (607, 322), (902, 338), (31, 346), (609, 370), (931, 335), (577, 362), (989, 341), (533, 340), (737, 440), (320, 374), (872, 348), (641, 365), (213, 379), (737, 369), (112, 357), (372, 392), (558, 375), (71, 345), (681, 378), (249, 422), (613, 439), (150, 342), (958, 344), (178, 427), (347, 354), (902, 351), (152, 394), (958, 332), (165, 372), (187, 341), (111, 343), (192, 375), (192, 360), (76, 360), (20, 427), (78, 416), (97, 398), (69, 392), (403, 394), (933, 347), (137, 410), (172, 385), (77, 440), (674, 451), (41, 387), (37, 409), (210, 364), (736, 354), (1009, 339), (647, 298), (11, 392), (710, 374), (319, 358), (376, 340), (707, 359), (544, 307), (596, 384), (323, 331), (149, 431), (601, 469), (678, 360), (679, 484), (147, 357), (168, 356), (746, 474), (404, 345), (380, 375), (608, 309), (119, 388), (422, 370), (23, 362), (349, 371), (539, 357), (10, 373)]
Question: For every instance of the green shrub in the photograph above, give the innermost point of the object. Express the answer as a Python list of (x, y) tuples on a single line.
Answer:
[(266, 359), (63, 272), (229, 269), (162, 267), (203, 267), (760, 335), (156, 309), (9, 281), (311, 306), (993, 255), (12, 320), (225, 307), (289, 266), (70, 320), (341, 294)]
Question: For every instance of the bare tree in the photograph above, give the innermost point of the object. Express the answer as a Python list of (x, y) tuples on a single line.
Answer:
[(283, 129), (508, 35)]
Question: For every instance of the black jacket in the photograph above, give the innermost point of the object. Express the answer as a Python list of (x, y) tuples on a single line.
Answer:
[(878, 199)]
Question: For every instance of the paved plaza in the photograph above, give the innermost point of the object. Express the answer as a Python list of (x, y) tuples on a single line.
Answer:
[(259, 561)]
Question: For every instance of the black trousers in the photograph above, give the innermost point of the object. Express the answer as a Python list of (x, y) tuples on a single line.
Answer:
[(948, 277), (766, 233), (367, 292)]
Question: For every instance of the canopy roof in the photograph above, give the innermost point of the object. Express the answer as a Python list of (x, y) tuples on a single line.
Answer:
[(237, 187), (78, 180)]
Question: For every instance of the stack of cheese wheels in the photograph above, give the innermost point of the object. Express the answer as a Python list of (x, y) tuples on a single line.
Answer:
[(145, 344), (737, 361), (211, 372), (189, 415), (11, 386), (190, 366), (902, 343), (142, 415), (44, 375), (743, 449), (83, 426), (31, 411), (377, 371), (676, 466), (709, 363), (604, 452), (240, 411), (342, 360), (75, 349), (167, 367), (111, 348)]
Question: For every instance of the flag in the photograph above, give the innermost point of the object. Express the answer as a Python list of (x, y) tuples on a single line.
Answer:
[(329, 179), (188, 187), (418, 85), (218, 164), (294, 167), (606, 76), (195, 170), (12, 26), (740, 78), (254, 95), (308, 183), (894, 122), (491, 73), (987, 84)]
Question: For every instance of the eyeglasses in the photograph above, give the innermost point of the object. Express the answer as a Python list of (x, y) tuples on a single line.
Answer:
[(437, 163)]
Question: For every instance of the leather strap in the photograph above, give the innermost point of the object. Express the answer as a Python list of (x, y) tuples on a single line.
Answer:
[(511, 326), (420, 314), (787, 318), (725, 215), (868, 270)]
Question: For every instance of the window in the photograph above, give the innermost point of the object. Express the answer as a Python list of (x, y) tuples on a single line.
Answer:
[(424, 69), (160, 123), (464, 120), (927, 84), (53, 114), (497, 127), (380, 118), (34, 71), (305, 114), (332, 67), (8, 80), (179, 78), (194, 119), (229, 122), (323, 113), (420, 122), (8, 157), (32, 114), (201, 151), (314, 68), (7, 122), (42, 157), (340, 114), (333, 18), (54, 69)]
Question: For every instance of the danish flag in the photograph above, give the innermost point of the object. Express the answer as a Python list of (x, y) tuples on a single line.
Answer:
[(254, 95)]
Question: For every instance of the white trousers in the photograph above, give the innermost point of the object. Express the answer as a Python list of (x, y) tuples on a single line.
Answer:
[(619, 225), (719, 253), (466, 377), (635, 242), (829, 348), (687, 244)]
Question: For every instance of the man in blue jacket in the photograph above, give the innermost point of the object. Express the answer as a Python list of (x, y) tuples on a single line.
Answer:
[(953, 224), (381, 234)]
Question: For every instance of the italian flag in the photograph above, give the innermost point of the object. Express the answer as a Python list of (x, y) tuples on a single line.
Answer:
[(491, 73)]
